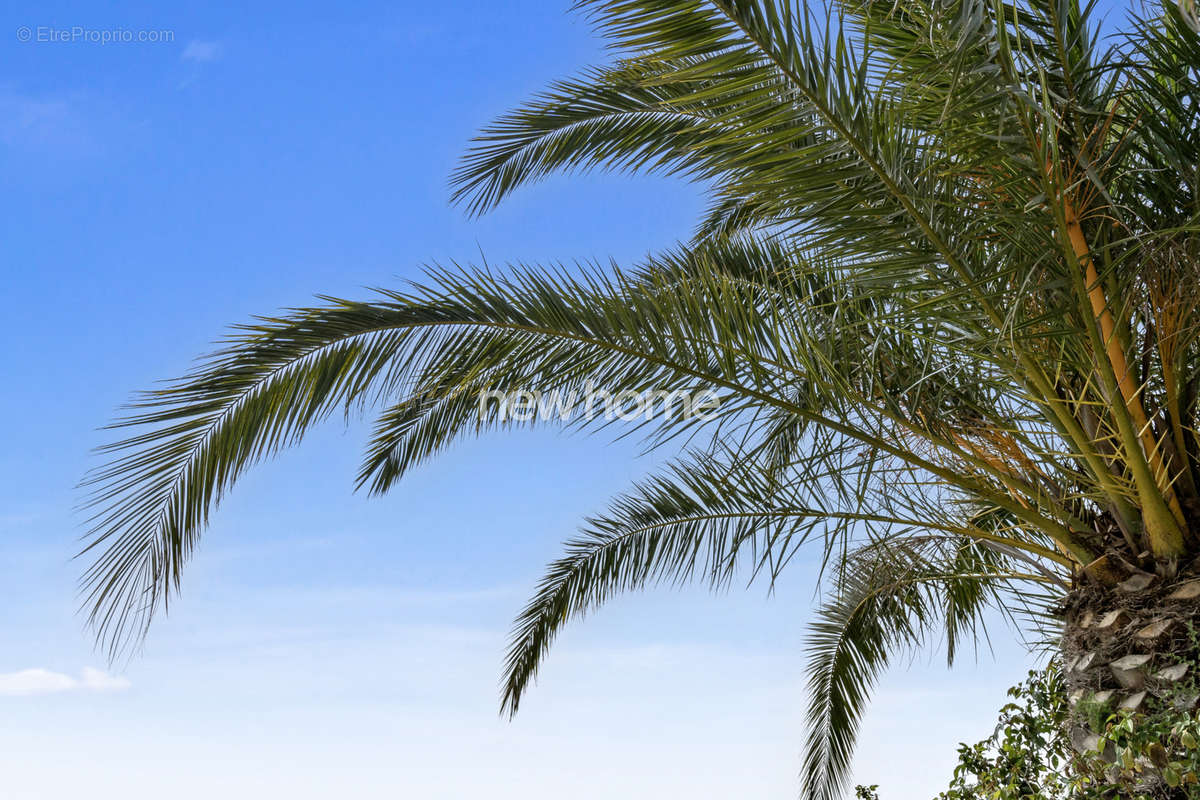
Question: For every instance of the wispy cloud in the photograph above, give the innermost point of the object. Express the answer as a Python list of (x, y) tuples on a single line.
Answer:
[(43, 681), (20, 519), (37, 122), (201, 51), (62, 126)]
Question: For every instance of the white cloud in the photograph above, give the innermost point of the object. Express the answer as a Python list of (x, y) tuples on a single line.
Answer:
[(35, 681), (100, 681), (201, 51), (43, 681), (41, 123)]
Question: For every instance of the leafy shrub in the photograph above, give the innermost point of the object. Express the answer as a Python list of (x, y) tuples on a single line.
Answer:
[(1030, 755)]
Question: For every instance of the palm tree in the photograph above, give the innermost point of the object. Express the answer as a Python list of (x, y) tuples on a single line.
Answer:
[(946, 293)]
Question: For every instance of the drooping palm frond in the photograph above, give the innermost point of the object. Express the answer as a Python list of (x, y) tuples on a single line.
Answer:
[(715, 519), (946, 293), (704, 518), (891, 596)]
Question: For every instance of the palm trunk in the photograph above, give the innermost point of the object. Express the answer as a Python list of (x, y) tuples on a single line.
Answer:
[(1131, 646)]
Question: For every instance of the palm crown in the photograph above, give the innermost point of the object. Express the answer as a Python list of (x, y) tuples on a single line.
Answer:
[(945, 291)]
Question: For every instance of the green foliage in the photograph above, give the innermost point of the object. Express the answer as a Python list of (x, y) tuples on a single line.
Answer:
[(1157, 749), (1030, 756)]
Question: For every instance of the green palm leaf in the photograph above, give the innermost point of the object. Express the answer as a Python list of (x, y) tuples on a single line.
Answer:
[(891, 596)]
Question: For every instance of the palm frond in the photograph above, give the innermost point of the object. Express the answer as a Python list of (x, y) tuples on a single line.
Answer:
[(892, 595), (707, 518)]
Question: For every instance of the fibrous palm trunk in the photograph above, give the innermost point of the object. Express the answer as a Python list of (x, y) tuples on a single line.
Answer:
[(1131, 643)]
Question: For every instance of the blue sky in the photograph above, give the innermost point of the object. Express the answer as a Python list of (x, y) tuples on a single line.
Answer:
[(327, 644)]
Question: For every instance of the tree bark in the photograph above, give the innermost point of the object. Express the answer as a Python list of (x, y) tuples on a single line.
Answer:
[(1133, 646)]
